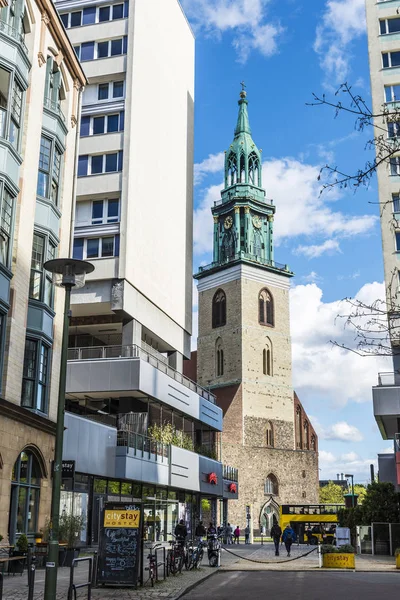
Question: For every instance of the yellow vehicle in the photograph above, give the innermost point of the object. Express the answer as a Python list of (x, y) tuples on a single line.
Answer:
[(312, 523)]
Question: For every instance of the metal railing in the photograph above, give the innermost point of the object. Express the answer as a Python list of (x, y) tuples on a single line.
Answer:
[(143, 446), (230, 473), (87, 584), (134, 351), (14, 33), (389, 378), (54, 107), (247, 256)]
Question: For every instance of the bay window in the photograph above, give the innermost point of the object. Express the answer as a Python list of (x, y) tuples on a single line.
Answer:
[(41, 287), (6, 223), (35, 376), (11, 107), (49, 170)]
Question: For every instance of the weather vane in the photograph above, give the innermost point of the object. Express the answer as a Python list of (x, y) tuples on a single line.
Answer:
[(242, 83)]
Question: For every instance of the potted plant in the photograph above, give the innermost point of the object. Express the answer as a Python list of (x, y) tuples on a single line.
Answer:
[(338, 558), (69, 531), (22, 545), (397, 555), (38, 537)]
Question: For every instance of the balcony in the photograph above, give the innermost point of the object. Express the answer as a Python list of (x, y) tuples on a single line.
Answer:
[(126, 371), (257, 260), (14, 34), (386, 401)]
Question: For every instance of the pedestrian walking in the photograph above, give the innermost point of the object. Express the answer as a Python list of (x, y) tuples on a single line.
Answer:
[(288, 537), (247, 535), (236, 534), (229, 533), (276, 533)]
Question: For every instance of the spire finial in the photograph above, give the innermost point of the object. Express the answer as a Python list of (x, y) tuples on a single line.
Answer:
[(243, 93)]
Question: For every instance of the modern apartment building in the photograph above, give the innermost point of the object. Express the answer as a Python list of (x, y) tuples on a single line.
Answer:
[(136, 427), (383, 25), (40, 83)]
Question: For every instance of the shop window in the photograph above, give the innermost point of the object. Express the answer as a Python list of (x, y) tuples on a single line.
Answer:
[(25, 495)]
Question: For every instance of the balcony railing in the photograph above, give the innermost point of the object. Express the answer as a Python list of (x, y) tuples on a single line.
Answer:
[(134, 351), (258, 260), (385, 379), (143, 446), (230, 473), (14, 33), (54, 107)]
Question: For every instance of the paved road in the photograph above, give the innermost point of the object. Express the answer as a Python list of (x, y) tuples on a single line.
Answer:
[(298, 586)]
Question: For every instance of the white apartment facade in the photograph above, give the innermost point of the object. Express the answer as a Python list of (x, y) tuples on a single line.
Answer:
[(131, 323), (383, 26)]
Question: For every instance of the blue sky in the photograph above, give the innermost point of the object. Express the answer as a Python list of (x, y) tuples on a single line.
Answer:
[(285, 50)]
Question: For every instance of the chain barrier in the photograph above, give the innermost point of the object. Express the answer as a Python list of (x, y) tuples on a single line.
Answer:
[(270, 562)]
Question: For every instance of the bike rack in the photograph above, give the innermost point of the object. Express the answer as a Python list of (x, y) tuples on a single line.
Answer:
[(73, 587), (161, 562)]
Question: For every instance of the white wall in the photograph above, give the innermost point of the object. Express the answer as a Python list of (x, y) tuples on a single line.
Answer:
[(156, 206)]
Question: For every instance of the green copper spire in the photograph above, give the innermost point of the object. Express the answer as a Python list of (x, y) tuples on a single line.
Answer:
[(243, 125)]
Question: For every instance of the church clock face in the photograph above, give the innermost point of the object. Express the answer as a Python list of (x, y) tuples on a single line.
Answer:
[(257, 221), (228, 222)]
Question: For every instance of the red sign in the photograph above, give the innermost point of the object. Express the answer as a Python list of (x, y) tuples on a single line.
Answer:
[(212, 478), (232, 488)]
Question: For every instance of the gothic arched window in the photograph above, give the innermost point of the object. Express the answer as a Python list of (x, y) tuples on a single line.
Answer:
[(267, 360), (257, 244), (219, 309), (242, 169), (254, 169), (271, 485), (228, 246), (219, 358), (269, 435), (313, 443), (266, 308), (298, 428), (306, 439), (232, 169)]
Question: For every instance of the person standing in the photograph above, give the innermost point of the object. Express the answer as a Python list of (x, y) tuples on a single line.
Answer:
[(276, 533), (247, 535), (236, 534), (181, 532), (288, 537), (229, 532), (200, 531)]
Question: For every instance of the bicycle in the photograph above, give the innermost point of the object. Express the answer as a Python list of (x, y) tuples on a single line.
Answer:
[(152, 568), (176, 556), (197, 554)]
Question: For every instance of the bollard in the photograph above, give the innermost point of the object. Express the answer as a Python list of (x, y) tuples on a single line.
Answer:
[(31, 579), (219, 558), (319, 555), (262, 539)]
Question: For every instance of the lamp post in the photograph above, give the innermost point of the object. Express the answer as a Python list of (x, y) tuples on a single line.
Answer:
[(352, 488), (67, 273)]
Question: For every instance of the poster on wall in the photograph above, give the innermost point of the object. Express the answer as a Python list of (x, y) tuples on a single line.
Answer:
[(120, 543)]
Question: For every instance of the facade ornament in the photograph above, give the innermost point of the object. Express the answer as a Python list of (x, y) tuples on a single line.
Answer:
[(215, 219), (117, 295), (41, 59), (45, 18), (237, 209), (247, 210)]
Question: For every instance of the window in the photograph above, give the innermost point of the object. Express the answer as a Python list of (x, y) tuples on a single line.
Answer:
[(35, 375), (269, 435), (6, 223), (219, 358), (105, 211), (102, 124), (396, 203), (389, 26), (392, 93), (100, 163), (99, 247), (118, 89), (41, 286), (267, 361), (390, 59), (103, 91), (397, 236), (393, 129), (103, 49), (395, 165), (219, 309), (254, 169), (313, 443), (306, 438), (266, 308), (271, 485), (49, 170), (76, 19), (25, 495), (298, 428), (11, 107)]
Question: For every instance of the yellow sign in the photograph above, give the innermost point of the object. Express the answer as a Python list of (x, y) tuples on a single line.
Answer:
[(338, 561), (122, 518)]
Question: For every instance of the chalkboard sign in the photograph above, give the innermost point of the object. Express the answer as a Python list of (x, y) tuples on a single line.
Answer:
[(120, 543)]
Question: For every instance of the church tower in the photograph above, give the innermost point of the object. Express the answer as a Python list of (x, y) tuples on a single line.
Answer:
[(244, 346)]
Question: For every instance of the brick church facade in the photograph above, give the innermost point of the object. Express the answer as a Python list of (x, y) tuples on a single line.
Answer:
[(244, 346)]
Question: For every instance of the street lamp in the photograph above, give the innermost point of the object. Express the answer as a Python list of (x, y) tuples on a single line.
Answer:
[(67, 273), (352, 489)]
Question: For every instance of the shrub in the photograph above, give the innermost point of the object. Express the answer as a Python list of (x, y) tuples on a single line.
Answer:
[(329, 549), (22, 544), (347, 549), (70, 528)]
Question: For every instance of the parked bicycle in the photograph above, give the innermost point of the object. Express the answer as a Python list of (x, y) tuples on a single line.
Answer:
[(195, 554), (152, 568), (176, 555)]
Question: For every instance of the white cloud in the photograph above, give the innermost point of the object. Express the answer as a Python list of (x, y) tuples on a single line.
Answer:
[(246, 19), (312, 277), (314, 251), (351, 462), (388, 450), (213, 164), (341, 431), (343, 22), (301, 210), (335, 374)]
